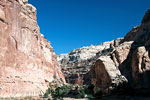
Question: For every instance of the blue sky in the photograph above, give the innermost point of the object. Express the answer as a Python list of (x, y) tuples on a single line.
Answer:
[(70, 24)]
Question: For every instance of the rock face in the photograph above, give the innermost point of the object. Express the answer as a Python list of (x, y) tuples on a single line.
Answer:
[(113, 63), (106, 74), (131, 58), (27, 60), (76, 64)]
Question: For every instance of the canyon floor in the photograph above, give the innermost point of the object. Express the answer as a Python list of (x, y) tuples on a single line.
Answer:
[(114, 98), (103, 98)]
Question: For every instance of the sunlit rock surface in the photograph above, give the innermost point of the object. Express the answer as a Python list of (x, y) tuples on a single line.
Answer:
[(77, 63), (27, 60), (125, 60)]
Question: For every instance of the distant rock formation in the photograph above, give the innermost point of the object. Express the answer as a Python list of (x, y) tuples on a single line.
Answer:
[(76, 64), (131, 57), (105, 73), (27, 60), (111, 64)]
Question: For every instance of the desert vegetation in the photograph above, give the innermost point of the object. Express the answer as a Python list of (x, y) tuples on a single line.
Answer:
[(73, 91)]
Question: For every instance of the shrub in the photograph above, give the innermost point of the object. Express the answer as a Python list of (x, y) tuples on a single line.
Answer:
[(81, 92), (46, 95), (49, 91), (72, 91), (98, 93), (61, 92)]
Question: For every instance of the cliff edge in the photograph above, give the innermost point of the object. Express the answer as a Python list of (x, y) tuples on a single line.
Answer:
[(27, 60)]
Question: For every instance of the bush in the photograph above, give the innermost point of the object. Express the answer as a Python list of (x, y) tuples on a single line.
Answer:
[(98, 93), (61, 92), (46, 95), (72, 91), (49, 91), (81, 92)]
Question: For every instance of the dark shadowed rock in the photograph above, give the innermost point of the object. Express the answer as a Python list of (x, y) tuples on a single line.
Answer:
[(146, 17), (131, 58)]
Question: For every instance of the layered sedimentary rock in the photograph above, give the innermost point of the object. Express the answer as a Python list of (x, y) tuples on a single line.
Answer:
[(27, 60), (76, 64), (131, 58), (124, 61)]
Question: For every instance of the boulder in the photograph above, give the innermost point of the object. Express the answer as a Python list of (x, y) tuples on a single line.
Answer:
[(105, 74)]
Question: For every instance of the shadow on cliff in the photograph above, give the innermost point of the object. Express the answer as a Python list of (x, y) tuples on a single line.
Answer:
[(142, 39)]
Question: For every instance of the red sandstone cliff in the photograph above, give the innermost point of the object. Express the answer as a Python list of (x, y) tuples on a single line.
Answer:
[(27, 60)]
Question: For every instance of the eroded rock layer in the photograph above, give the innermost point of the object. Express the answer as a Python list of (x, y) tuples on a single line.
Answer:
[(124, 62), (131, 57), (76, 64), (27, 60)]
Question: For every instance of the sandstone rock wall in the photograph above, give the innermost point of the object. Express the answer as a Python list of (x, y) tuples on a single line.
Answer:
[(76, 64), (27, 60), (131, 58), (105, 73)]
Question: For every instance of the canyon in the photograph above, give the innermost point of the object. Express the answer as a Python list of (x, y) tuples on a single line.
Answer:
[(28, 63), (124, 61)]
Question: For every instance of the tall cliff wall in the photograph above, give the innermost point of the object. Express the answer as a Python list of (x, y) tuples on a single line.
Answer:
[(27, 60), (131, 58)]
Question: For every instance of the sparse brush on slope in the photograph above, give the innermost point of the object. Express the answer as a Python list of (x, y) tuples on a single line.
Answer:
[(72, 91)]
